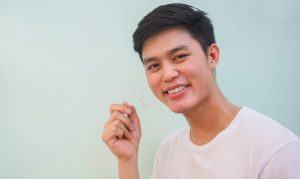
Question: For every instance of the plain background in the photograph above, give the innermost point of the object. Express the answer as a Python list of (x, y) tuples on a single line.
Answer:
[(62, 63)]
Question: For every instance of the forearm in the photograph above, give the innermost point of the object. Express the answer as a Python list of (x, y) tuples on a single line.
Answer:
[(128, 169)]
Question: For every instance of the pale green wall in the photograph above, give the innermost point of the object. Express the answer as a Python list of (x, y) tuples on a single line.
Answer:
[(63, 62)]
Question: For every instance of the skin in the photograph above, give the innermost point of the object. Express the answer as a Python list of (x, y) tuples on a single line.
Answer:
[(173, 58)]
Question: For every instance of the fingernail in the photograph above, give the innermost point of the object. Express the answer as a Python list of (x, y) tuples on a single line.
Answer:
[(128, 111), (124, 116)]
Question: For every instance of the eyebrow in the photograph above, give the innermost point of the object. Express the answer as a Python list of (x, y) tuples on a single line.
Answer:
[(174, 50), (169, 52)]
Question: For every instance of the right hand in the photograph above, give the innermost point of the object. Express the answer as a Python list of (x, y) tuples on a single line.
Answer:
[(122, 134)]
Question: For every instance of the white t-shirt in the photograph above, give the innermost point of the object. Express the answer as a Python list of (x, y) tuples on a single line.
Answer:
[(253, 146)]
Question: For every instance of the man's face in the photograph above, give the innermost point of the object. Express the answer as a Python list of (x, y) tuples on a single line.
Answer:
[(177, 69)]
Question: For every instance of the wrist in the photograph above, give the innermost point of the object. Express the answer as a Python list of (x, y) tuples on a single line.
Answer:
[(131, 160), (128, 168)]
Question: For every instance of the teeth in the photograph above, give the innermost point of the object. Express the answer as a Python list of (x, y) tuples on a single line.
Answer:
[(177, 89)]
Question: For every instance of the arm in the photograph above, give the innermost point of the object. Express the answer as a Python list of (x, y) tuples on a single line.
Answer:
[(122, 135)]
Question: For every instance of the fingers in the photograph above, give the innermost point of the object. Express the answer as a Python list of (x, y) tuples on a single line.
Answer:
[(133, 116), (118, 125), (122, 129), (115, 129), (121, 108), (117, 116)]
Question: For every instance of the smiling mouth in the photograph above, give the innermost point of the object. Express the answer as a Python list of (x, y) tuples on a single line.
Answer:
[(176, 90)]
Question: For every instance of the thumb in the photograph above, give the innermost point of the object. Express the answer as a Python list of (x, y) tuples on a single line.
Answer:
[(133, 116)]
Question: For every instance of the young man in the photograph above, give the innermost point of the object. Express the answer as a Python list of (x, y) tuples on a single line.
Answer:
[(177, 47)]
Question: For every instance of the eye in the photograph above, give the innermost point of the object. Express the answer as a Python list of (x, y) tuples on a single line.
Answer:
[(153, 66), (181, 56)]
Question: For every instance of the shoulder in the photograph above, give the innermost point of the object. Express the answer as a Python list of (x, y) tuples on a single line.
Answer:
[(262, 128), (264, 136)]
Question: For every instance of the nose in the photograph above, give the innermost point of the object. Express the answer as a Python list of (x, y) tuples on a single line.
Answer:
[(169, 73)]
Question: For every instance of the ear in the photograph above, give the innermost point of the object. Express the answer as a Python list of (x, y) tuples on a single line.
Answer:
[(213, 53)]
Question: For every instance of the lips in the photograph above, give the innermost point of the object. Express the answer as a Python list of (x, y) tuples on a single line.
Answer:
[(175, 89)]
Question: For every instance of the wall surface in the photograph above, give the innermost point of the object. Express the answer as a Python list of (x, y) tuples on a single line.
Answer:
[(62, 63)]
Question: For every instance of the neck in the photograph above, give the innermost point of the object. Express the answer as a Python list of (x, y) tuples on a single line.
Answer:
[(210, 117)]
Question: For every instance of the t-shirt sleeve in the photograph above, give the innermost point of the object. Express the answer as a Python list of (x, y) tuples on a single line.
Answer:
[(284, 164)]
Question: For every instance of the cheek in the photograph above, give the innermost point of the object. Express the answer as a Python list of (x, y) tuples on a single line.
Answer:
[(197, 73), (153, 82), (192, 70)]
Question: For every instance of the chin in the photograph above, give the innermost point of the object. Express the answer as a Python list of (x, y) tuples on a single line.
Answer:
[(178, 108)]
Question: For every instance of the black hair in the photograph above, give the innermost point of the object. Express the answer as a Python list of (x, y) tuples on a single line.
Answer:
[(175, 15)]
